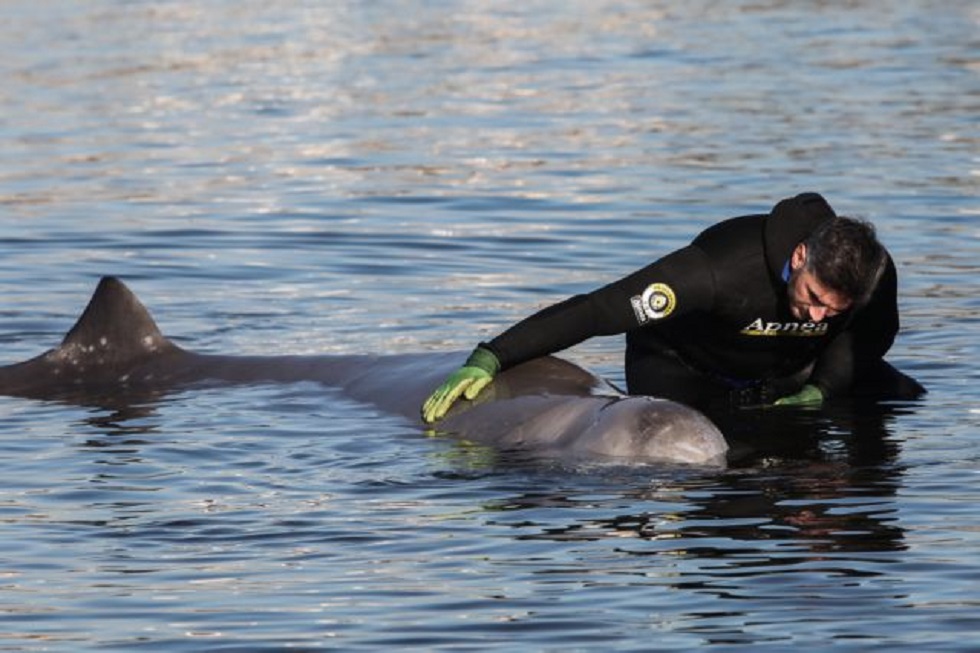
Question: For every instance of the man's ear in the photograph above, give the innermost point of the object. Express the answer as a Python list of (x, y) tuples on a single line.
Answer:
[(798, 259)]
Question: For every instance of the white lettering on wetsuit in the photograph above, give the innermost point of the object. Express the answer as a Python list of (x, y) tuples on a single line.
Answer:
[(759, 327)]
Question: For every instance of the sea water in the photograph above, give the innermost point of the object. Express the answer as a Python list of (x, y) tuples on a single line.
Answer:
[(391, 177)]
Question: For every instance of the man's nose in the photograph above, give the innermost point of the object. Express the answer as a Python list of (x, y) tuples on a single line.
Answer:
[(818, 313)]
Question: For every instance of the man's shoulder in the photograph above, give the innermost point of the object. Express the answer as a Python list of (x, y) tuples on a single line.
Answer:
[(731, 235)]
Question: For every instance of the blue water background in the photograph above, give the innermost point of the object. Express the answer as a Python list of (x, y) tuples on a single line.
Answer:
[(350, 177)]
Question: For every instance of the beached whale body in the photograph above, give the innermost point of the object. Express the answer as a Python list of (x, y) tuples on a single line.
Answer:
[(548, 406)]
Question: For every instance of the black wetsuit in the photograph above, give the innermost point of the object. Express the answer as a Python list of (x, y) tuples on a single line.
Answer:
[(712, 320)]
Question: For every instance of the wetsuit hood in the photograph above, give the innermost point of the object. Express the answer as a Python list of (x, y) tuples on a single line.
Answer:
[(788, 224)]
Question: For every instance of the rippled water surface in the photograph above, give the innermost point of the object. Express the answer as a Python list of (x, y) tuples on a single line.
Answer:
[(351, 177)]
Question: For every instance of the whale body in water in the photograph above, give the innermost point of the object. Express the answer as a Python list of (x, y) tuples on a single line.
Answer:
[(548, 406)]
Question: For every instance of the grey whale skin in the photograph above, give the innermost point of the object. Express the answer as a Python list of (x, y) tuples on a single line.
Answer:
[(547, 406)]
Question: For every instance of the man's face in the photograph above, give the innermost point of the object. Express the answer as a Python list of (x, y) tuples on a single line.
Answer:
[(809, 299)]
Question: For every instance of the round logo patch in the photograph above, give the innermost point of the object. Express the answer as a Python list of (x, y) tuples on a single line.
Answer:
[(658, 301)]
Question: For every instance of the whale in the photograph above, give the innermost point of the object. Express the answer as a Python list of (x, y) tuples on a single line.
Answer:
[(548, 407)]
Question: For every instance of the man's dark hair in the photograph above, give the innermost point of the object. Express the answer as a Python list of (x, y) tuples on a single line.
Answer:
[(845, 255)]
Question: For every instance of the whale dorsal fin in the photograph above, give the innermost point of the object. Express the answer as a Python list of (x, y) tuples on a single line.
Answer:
[(114, 328)]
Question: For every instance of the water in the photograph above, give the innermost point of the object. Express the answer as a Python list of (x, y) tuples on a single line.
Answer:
[(413, 176)]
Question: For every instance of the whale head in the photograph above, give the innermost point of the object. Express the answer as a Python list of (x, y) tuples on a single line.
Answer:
[(648, 428)]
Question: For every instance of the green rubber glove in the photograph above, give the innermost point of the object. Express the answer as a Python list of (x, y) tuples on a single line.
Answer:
[(809, 395), (467, 381)]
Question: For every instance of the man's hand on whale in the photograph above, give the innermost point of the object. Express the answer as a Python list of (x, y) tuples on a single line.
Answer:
[(468, 381)]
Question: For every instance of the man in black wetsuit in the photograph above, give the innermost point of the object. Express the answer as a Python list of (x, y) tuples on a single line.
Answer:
[(788, 308)]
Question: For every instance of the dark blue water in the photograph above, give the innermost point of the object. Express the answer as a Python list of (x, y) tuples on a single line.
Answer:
[(414, 176)]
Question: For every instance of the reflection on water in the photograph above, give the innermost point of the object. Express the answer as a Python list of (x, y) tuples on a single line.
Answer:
[(807, 531), (401, 176), (784, 484)]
